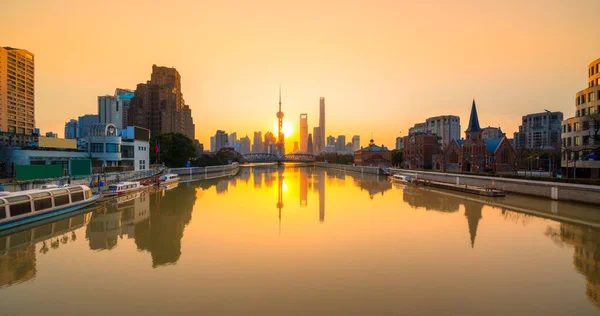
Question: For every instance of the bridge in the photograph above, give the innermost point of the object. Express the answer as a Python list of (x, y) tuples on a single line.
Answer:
[(266, 157)]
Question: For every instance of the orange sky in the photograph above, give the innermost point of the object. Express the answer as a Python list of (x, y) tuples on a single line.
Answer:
[(381, 65)]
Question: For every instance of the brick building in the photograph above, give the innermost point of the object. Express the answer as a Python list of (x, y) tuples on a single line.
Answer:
[(373, 155), (419, 150)]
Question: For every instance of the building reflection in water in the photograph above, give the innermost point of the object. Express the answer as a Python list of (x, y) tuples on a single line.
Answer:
[(586, 254), (18, 250)]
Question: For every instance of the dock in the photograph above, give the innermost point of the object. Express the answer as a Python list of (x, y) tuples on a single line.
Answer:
[(489, 192)]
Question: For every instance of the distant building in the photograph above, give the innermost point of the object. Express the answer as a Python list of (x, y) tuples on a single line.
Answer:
[(72, 129), (213, 144), (244, 145), (318, 144), (309, 145), (296, 147), (113, 108), (257, 145), (16, 140), (270, 143), (419, 150), (418, 128), (51, 135), (304, 132), (492, 133), (85, 123), (331, 141), (330, 148), (446, 127), (17, 91), (373, 155), (355, 143), (539, 131), (340, 143), (476, 154), (232, 139), (580, 134), (349, 148), (221, 140), (135, 147), (159, 106), (399, 142), (322, 134), (199, 148)]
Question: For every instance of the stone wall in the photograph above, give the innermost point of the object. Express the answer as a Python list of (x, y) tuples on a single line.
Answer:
[(348, 168)]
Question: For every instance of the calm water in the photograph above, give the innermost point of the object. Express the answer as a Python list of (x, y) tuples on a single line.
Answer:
[(306, 240)]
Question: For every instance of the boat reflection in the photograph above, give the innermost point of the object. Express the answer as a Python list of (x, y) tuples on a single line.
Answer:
[(18, 253)]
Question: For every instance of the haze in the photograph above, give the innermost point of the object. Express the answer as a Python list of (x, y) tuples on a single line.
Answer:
[(381, 65)]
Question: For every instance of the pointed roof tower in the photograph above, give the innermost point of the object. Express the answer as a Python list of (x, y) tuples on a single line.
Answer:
[(473, 120)]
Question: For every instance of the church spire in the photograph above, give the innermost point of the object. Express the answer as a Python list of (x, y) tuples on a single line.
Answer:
[(473, 120)]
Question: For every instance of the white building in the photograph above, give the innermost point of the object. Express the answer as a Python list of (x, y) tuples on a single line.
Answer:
[(104, 145), (135, 147)]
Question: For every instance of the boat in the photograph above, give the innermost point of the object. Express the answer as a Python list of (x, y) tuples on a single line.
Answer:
[(24, 207), (122, 188), (169, 178), (398, 178), (49, 186)]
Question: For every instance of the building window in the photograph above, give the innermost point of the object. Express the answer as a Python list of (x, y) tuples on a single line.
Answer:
[(577, 140), (591, 96), (577, 127), (113, 148), (97, 147)]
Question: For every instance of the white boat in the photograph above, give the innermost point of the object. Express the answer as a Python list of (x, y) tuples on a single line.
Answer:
[(123, 188), (398, 178), (24, 207), (49, 186), (169, 178)]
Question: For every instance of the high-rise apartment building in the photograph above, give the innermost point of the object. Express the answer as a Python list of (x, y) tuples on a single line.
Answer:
[(17, 87), (113, 108), (303, 132), (244, 145), (446, 127), (85, 124), (331, 141), (257, 144), (322, 123), (159, 106), (72, 129), (581, 133), (340, 143), (221, 140), (232, 139), (213, 144), (539, 131), (355, 142)]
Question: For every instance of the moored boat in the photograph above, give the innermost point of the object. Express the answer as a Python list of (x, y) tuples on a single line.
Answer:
[(122, 188), (169, 178), (398, 178), (24, 207)]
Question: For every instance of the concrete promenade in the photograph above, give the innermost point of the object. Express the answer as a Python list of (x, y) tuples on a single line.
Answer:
[(552, 190)]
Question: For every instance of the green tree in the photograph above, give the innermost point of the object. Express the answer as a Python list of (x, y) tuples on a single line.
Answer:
[(176, 149), (397, 157)]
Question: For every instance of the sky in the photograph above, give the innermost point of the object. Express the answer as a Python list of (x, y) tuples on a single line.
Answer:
[(382, 66)]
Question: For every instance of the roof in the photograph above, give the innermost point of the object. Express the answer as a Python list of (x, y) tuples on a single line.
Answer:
[(460, 142), (473, 120), (374, 148), (492, 144)]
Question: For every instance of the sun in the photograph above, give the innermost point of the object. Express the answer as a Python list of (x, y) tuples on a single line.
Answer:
[(287, 129)]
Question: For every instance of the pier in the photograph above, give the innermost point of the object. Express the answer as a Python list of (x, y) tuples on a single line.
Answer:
[(489, 192)]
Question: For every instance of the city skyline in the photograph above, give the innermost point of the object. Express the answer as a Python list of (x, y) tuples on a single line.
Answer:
[(376, 79)]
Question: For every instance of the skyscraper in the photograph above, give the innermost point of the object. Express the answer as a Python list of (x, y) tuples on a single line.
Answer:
[(257, 145), (221, 140), (322, 122), (232, 139), (159, 106), (213, 144), (330, 140), (85, 124), (355, 142), (309, 145), (317, 142), (340, 143), (17, 87), (303, 132), (72, 129), (244, 145), (270, 143)]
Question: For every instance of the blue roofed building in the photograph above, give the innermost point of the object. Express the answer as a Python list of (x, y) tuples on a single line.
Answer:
[(373, 155), (476, 154)]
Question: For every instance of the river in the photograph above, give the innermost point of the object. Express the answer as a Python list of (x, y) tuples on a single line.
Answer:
[(297, 239)]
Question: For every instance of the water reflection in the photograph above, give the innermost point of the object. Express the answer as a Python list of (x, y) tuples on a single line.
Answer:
[(18, 250)]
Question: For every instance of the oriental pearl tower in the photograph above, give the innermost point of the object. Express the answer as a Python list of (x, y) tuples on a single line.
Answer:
[(280, 137)]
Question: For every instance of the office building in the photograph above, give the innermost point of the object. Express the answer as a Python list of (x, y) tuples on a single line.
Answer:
[(539, 131), (303, 132), (349, 148), (309, 145), (232, 139), (113, 108), (257, 145), (17, 91), (418, 128), (85, 123), (580, 137), (159, 106), (270, 143), (213, 144), (322, 122), (331, 141), (244, 145), (72, 129), (340, 143), (318, 145), (355, 142)]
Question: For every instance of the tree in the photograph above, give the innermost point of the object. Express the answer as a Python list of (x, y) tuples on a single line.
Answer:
[(397, 157), (176, 149)]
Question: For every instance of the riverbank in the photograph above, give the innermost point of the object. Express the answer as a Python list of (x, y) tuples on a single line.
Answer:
[(202, 173), (348, 168), (552, 190)]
